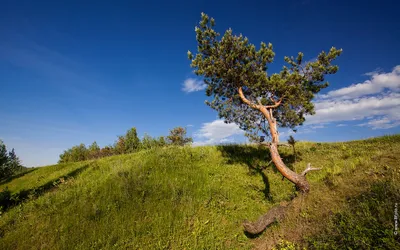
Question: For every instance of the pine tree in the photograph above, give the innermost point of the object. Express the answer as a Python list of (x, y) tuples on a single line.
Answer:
[(235, 73)]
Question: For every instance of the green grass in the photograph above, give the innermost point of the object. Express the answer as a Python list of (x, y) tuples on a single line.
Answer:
[(39, 176), (197, 198)]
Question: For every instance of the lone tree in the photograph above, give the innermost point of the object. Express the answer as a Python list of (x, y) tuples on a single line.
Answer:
[(236, 76), (235, 73)]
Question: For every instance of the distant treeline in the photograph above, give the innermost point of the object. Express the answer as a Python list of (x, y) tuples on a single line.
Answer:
[(125, 144)]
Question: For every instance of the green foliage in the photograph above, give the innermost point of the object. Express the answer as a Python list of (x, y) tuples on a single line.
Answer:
[(231, 63), (132, 141), (3, 154), (94, 151), (128, 143), (9, 162), (177, 136), (148, 142), (120, 145), (161, 141), (74, 154)]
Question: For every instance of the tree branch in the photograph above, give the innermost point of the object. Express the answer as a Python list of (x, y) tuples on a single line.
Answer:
[(275, 105), (308, 169), (245, 100)]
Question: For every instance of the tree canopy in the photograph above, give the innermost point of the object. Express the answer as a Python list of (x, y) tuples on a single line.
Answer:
[(235, 73)]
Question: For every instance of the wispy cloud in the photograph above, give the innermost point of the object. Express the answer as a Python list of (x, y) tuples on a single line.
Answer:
[(371, 100), (317, 126), (216, 132), (380, 123), (378, 83), (192, 85)]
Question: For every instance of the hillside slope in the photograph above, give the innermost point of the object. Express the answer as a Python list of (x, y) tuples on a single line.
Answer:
[(197, 198)]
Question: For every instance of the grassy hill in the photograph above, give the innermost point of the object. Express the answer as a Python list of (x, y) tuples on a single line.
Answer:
[(197, 198)]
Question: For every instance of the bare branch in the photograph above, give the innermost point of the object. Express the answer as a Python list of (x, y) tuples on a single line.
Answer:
[(308, 169)]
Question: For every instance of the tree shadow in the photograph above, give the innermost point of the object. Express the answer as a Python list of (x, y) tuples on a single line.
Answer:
[(7, 180), (257, 159), (9, 200)]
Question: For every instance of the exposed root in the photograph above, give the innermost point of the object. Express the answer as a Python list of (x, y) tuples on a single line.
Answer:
[(278, 212), (274, 214)]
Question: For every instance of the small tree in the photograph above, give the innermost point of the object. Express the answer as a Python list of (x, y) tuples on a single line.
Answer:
[(9, 162), (66, 156), (148, 142), (94, 151), (235, 73), (13, 161), (132, 141), (292, 142), (79, 153), (3, 154), (161, 141), (120, 145), (177, 136)]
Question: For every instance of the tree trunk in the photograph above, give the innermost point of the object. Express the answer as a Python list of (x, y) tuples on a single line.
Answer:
[(298, 179)]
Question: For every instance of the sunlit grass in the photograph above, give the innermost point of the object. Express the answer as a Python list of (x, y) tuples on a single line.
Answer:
[(197, 198)]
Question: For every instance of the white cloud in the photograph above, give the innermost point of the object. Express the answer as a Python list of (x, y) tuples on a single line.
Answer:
[(378, 83), (358, 109), (189, 125), (341, 125), (371, 100), (317, 126), (216, 132), (380, 123), (192, 85)]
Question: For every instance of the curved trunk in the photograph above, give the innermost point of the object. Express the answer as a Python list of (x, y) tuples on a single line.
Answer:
[(298, 179), (278, 212)]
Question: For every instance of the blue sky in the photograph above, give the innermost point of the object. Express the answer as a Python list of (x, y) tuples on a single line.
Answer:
[(78, 71)]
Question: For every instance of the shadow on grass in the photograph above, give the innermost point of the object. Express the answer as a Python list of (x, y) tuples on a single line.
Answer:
[(7, 180), (257, 159), (8, 200)]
